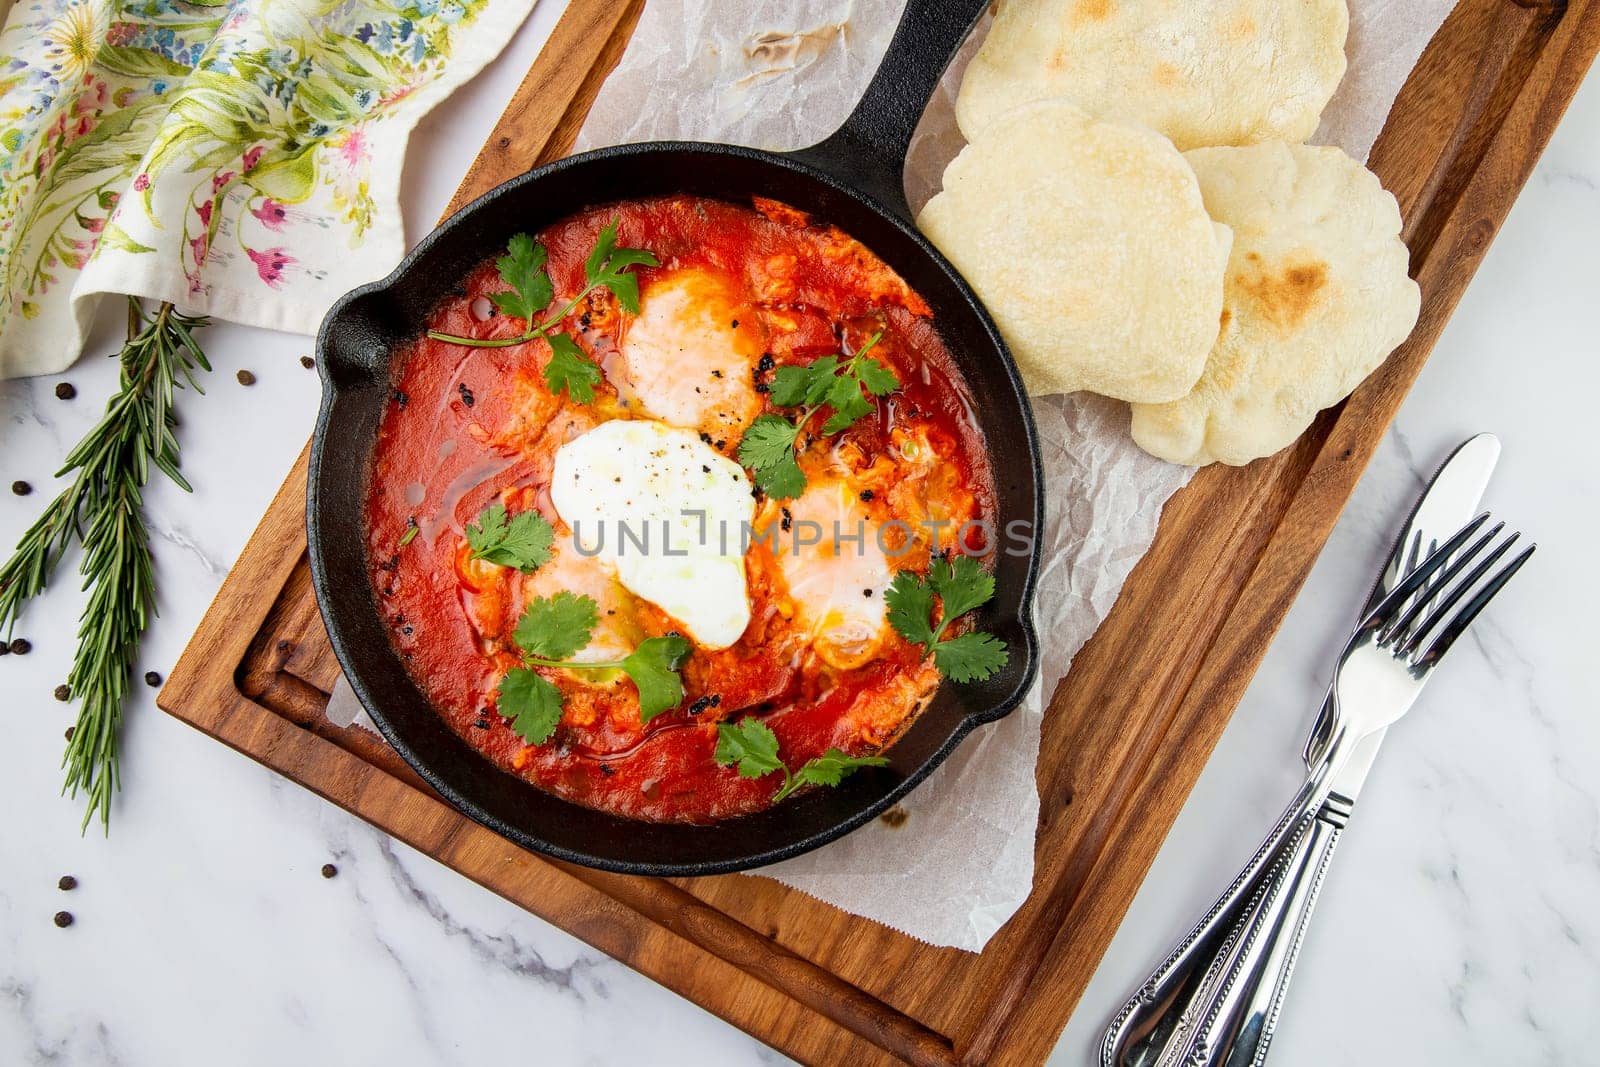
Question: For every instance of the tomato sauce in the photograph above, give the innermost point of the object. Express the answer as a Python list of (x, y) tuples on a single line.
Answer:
[(469, 427)]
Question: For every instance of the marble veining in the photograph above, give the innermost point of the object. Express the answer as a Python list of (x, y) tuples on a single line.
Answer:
[(1458, 925)]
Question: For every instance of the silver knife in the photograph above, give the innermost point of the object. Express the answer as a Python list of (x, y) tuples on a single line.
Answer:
[(1248, 950)]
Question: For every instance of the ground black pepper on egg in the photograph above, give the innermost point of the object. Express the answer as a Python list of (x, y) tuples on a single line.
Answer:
[(466, 394)]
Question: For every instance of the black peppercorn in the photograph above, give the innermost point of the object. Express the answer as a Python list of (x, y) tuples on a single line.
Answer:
[(152, 679), (307, 362), (65, 391), (70, 731), (329, 870), (246, 378), (67, 882), (63, 693), (63, 919), (21, 488), (21, 646)]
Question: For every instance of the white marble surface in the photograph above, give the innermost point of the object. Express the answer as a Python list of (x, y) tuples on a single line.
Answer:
[(1459, 925)]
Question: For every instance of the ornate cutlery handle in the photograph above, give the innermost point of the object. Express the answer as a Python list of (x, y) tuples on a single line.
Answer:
[(1242, 1003), (1161, 1017)]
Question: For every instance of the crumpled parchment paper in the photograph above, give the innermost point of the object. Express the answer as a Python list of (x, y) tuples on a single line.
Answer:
[(785, 75)]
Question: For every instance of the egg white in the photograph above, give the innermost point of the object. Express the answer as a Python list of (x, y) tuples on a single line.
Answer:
[(668, 512)]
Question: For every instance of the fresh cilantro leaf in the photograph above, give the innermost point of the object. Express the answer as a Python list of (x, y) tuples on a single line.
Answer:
[(553, 628), (784, 480), (878, 378), (601, 250), (790, 385), (607, 264), (522, 542), (910, 602), (830, 768), (490, 530), (768, 441), (962, 584), (844, 397), (970, 657), (654, 670), (822, 378), (571, 369), (522, 268), (768, 450), (751, 745), (532, 703)]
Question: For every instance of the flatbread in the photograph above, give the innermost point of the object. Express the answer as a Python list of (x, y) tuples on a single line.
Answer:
[(1090, 245), (1317, 297), (1229, 72)]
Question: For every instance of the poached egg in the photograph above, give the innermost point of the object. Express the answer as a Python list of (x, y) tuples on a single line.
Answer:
[(687, 359), (668, 512), (837, 573)]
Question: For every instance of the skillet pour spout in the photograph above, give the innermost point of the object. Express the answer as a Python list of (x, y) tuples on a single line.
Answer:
[(851, 180)]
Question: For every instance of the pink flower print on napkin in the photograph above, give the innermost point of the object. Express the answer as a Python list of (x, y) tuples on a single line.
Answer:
[(271, 214), (270, 264)]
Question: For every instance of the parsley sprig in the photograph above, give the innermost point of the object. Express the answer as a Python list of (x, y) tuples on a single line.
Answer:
[(834, 382), (961, 585), (751, 747), (550, 631), (521, 541), (523, 270)]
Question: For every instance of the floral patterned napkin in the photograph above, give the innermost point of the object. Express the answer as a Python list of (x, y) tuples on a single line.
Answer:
[(239, 159)]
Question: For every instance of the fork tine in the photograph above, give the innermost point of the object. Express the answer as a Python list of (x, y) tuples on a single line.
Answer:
[(1385, 611), (1415, 637), (1401, 627), (1469, 611)]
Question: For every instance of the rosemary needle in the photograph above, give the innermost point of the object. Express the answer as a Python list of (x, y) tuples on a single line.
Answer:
[(103, 508)]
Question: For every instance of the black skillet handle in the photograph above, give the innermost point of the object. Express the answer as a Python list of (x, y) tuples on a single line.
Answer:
[(869, 151)]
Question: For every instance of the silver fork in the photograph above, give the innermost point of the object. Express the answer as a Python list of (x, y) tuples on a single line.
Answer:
[(1227, 1011)]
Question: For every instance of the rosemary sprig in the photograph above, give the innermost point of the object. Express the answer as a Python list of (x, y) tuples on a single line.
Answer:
[(104, 509)]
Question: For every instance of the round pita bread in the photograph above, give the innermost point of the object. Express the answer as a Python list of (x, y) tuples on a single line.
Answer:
[(1090, 245), (1318, 295), (1228, 72)]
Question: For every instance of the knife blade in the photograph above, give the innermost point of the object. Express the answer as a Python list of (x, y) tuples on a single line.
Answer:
[(1448, 503)]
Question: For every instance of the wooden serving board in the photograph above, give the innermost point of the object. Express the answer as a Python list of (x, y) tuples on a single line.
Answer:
[(1128, 730)]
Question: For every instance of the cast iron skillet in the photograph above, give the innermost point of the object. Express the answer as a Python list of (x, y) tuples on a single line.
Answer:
[(853, 179)]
